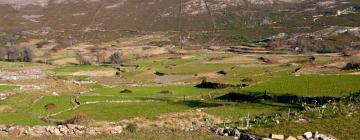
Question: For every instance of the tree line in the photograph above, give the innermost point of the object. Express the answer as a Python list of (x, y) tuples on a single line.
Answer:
[(16, 53), (115, 58)]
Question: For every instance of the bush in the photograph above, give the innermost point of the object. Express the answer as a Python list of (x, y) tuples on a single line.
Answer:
[(165, 92), (247, 79), (352, 66), (79, 118), (116, 58), (50, 106), (132, 128), (126, 91)]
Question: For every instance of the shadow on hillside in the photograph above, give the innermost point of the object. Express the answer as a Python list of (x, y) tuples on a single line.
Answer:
[(248, 96), (200, 104)]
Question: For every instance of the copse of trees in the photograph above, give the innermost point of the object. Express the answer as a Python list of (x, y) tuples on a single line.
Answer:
[(99, 58), (16, 53)]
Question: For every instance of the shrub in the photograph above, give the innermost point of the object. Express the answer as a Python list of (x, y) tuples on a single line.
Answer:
[(352, 66), (116, 58), (50, 106), (79, 118), (132, 127), (159, 73), (126, 91), (247, 79), (222, 72), (27, 54), (165, 92)]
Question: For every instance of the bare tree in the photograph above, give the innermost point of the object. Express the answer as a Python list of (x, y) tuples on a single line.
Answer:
[(14, 53), (116, 58), (27, 54), (100, 56), (46, 57), (82, 59), (2, 53)]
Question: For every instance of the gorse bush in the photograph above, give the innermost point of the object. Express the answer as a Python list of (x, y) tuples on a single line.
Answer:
[(132, 127)]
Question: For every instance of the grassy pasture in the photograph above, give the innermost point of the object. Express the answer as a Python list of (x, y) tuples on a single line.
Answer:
[(196, 68), (343, 128), (257, 74), (20, 118), (67, 70), (7, 87), (326, 85), (119, 111), (236, 111), (152, 91), (10, 66), (61, 103)]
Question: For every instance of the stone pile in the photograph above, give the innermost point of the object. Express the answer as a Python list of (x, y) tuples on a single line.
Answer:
[(244, 136), (60, 130), (4, 96)]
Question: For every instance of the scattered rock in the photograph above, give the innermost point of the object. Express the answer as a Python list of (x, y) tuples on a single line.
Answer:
[(308, 135), (291, 138), (277, 137)]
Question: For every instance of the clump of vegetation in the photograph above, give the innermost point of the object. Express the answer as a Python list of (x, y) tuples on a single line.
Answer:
[(16, 53), (126, 91), (222, 72), (132, 127), (83, 60), (50, 106), (116, 58), (42, 43), (352, 66), (159, 73), (247, 79), (160, 43), (166, 92), (77, 119)]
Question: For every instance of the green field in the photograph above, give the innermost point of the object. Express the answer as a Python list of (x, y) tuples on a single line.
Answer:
[(119, 111), (61, 103), (7, 87), (67, 70), (236, 111), (326, 85), (151, 91)]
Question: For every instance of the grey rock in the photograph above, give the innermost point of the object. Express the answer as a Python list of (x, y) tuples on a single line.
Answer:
[(308, 135)]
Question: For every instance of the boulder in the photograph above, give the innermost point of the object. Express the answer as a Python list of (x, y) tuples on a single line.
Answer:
[(300, 138), (70, 126), (15, 131), (324, 137), (91, 131), (308, 135), (277, 137), (56, 132), (290, 138), (220, 131)]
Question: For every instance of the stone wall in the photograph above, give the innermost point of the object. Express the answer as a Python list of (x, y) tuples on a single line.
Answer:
[(60, 130)]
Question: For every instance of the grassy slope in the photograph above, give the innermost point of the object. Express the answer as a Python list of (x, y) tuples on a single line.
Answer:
[(329, 85), (343, 128), (237, 111), (118, 111)]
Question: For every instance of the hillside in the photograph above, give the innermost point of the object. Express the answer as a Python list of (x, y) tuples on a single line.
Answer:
[(235, 21)]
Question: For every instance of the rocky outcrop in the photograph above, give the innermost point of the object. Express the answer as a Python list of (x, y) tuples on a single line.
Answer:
[(60, 130)]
